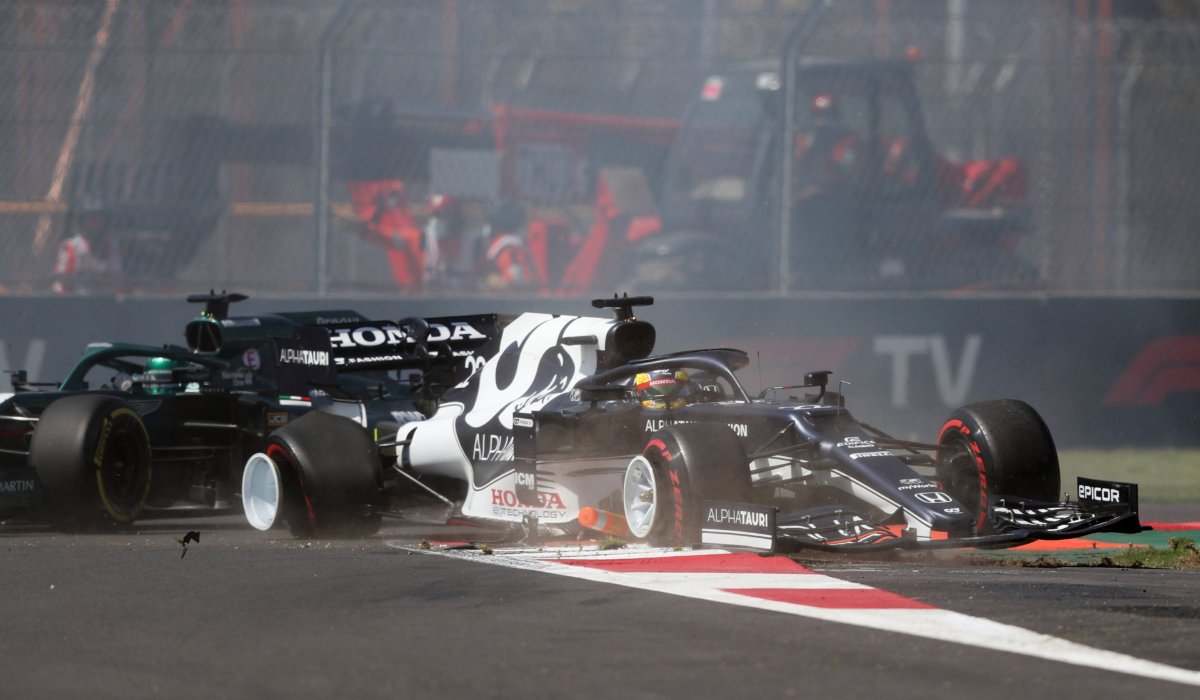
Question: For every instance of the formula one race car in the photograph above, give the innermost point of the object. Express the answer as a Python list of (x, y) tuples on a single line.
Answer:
[(568, 423), (136, 429)]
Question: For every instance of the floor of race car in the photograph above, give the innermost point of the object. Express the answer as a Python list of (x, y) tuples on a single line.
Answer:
[(1166, 522)]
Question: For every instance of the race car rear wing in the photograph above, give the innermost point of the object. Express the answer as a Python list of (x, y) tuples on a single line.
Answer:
[(445, 350), (413, 343)]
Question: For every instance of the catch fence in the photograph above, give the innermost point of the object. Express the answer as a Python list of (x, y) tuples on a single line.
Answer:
[(284, 147)]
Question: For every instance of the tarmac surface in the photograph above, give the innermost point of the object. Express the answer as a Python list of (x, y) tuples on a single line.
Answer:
[(245, 614)]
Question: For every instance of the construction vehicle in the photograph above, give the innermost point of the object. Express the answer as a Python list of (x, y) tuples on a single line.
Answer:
[(818, 173)]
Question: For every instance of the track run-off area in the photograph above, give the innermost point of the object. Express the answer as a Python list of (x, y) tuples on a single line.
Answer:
[(779, 584), (408, 613)]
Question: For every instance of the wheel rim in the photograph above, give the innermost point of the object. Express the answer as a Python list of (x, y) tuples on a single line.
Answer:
[(961, 478), (261, 491), (122, 476), (640, 496)]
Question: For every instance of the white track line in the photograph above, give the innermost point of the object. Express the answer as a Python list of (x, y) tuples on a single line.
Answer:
[(891, 616)]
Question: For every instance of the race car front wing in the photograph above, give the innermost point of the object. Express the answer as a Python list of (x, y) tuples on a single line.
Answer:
[(1102, 506)]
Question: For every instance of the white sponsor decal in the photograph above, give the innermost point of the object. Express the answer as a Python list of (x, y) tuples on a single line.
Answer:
[(863, 455), (492, 448), (729, 516), (367, 336), (295, 356), (1100, 493), (934, 497), (854, 442), (18, 486), (656, 424), (372, 359), (239, 377), (327, 321), (392, 335), (457, 330)]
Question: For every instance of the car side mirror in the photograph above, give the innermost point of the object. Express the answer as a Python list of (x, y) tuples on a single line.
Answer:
[(817, 379)]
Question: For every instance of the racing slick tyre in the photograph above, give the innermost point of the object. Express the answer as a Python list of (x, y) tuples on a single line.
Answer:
[(91, 453), (665, 486), (997, 449), (320, 475)]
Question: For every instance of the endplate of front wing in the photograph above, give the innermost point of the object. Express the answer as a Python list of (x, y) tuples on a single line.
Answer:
[(1014, 522)]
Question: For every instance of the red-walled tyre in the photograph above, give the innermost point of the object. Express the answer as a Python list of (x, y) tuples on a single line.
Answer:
[(319, 475), (679, 469), (997, 449)]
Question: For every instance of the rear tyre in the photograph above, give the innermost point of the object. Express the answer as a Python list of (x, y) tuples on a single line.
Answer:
[(997, 449), (665, 487), (91, 453), (327, 479)]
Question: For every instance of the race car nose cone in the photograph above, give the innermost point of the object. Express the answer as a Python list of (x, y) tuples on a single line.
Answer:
[(261, 491)]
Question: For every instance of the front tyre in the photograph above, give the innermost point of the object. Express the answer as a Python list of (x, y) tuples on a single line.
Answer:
[(679, 468), (92, 455), (997, 449), (319, 475)]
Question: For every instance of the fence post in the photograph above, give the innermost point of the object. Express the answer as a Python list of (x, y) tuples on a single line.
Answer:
[(324, 116)]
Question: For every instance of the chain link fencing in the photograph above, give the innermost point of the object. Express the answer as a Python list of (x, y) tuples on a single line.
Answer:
[(580, 146)]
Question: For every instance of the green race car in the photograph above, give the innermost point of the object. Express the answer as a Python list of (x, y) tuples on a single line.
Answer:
[(136, 429)]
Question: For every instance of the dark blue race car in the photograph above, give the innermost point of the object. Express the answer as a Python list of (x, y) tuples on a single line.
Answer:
[(563, 423)]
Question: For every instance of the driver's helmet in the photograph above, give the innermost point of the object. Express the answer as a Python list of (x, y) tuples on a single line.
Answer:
[(662, 389), (160, 371)]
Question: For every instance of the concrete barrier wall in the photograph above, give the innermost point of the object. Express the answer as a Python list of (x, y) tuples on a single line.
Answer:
[(1103, 372)]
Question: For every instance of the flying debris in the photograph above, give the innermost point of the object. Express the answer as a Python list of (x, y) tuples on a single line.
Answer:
[(191, 536)]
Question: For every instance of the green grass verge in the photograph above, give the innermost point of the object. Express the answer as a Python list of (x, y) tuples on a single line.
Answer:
[(1180, 553), (1166, 475)]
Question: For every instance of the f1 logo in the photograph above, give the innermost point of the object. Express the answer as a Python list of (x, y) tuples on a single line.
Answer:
[(933, 497), (1163, 367)]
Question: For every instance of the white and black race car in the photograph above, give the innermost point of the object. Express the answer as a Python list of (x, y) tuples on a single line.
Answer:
[(568, 423)]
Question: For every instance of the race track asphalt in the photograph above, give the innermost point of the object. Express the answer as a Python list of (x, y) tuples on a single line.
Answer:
[(251, 615)]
